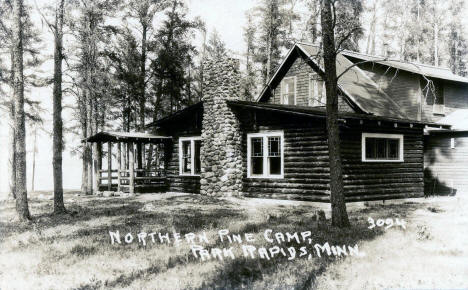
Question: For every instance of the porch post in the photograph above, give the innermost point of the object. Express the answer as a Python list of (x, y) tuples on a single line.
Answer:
[(119, 161), (97, 166), (132, 167), (139, 155), (109, 165)]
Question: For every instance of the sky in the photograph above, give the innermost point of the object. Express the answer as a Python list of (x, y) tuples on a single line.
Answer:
[(227, 17)]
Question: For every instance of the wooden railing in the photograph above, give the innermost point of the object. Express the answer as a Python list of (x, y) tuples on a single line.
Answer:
[(131, 179)]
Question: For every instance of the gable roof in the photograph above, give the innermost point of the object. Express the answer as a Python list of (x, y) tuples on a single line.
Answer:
[(359, 90), (417, 68)]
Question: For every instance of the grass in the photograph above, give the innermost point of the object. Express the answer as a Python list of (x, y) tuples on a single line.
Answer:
[(73, 251)]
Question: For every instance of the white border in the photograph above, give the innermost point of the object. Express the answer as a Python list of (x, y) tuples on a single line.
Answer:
[(265, 135), (295, 90), (381, 135), (192, 155)]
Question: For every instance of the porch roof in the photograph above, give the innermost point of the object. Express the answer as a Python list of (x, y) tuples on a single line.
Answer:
[(138, 137)]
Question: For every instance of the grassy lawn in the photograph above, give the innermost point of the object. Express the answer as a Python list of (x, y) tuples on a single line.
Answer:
[(75, 251)]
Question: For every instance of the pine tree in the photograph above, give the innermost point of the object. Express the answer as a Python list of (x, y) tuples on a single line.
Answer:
[(22, 207)]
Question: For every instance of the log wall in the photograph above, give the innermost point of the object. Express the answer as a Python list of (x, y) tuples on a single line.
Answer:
[(188, 126), (306, 163)]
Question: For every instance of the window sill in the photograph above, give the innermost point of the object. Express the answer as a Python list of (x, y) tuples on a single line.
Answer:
[(383, 161), (189, 175), (266, 176)]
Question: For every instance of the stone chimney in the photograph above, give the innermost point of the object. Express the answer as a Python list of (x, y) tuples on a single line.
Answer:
[(221, 152)]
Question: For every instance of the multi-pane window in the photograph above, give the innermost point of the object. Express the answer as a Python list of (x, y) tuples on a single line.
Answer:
[(274, 155), (382, 147), (189, 155), (186, 157), (265, 155), (317, 92), (288, 91)]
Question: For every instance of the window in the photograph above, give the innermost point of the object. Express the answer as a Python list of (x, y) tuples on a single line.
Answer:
[(189, 156), (288, 91), (382, 147), (317, 92), (265, 155)]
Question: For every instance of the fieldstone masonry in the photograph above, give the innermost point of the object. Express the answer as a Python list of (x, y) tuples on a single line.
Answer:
[(221, 155)]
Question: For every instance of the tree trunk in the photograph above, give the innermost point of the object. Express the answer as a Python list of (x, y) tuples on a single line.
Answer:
[(11, 156), (33, 177), (338, 205), (88, 150), (22, 207), (84, 152), (142, 101), (59, 207), (11, 132), (436, 44)]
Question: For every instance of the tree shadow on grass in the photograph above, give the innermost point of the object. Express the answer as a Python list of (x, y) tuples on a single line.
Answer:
[(244, 272), (88, 209)]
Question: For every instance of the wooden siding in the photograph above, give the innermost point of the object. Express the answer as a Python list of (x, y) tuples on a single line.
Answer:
[(306, 163), (407, 90), (455, 96), (446, 169), (403, 87), (301, 70)]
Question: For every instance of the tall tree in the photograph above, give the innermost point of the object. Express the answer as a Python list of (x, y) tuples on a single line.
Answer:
[(457, 42), (22, 207), (174, 57), (215, 48), (249, 82), (272, 35), (144, 11), (338, 204), (59, 207)]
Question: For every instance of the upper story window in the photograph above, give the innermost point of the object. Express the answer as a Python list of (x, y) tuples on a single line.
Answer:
[(189, 156), (265, 154), (317, 93), (382, 147), (433, 93), (288, 91)]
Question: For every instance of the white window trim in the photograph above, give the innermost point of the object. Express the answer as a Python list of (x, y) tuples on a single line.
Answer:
[(265, 135), (192, 155), (295, 90), (381, 135)]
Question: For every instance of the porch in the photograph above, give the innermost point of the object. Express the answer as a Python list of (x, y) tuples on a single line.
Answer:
[(139, 166)]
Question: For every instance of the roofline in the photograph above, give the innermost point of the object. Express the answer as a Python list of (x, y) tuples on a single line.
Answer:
[(174, 115), (296, 44), (383, 61), (321, 113), (265, 87)]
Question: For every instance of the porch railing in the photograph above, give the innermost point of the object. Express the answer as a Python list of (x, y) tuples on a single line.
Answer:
[(124, 179)]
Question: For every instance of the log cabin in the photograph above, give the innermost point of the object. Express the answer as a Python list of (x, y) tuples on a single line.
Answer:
[(276, 147)]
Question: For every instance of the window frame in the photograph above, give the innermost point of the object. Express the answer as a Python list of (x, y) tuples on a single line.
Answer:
[(315, 102), (295, 90), (383, 136), (265, 135), (192, 140)]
